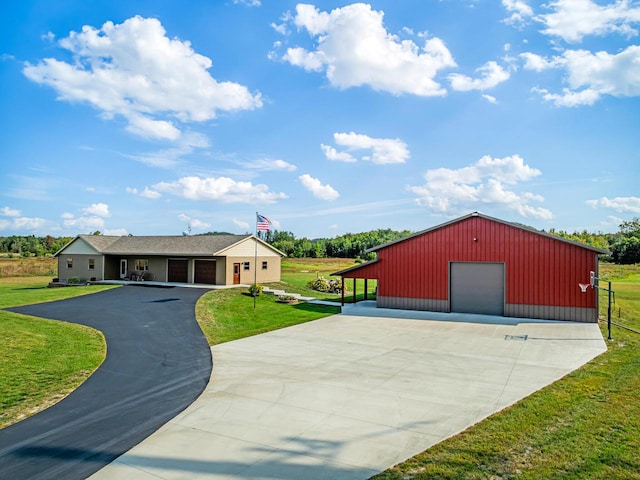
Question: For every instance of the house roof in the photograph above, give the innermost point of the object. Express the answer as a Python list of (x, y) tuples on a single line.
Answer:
[(480, 215), (99, 242), (187, 245)]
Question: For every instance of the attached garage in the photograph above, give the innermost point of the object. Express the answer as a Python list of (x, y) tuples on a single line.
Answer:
[(178, 270), (205, 271), (480, 264)]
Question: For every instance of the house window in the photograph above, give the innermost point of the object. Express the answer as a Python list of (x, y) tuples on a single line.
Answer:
[(92, 264), (142, 264), (247, 265), (69, 263), (264, 265)]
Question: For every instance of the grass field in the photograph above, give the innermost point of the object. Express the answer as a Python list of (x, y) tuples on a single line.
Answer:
[(41, 361), (28, 267), (585, 426), (296, 272), (226, 315)]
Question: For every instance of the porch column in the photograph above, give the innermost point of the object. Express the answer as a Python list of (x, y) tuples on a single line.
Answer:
[(354, 290)]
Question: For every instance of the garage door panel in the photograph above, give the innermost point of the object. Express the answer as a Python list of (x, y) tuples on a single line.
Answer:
[(205, 272), (477, 288), (178, 271)]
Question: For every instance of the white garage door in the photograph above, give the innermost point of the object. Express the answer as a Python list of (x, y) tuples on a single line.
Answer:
[(477, 287)]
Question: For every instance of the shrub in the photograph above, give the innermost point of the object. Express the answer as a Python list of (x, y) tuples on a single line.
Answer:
[(321, 284), (255, 289), (287, 299), (73, 280)]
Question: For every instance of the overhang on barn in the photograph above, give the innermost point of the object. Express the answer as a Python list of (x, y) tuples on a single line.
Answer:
[(480, 264)]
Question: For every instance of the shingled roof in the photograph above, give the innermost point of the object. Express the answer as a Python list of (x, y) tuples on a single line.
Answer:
[(187, 245)]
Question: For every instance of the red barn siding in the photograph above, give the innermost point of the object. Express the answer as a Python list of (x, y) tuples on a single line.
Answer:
[(542, 273)]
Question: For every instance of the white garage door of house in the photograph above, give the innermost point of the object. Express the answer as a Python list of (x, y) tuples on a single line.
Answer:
[(477, 287)]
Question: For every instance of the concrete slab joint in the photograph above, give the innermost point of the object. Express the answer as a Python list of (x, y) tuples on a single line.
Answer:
[(345, 397)]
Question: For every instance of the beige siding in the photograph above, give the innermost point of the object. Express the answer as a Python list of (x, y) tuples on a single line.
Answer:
[(221, 271), (271, 274), (246, 248)]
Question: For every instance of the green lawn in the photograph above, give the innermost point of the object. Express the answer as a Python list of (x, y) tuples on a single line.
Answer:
[(226, 315), (296, 272), (17, 291), (41, 361), (585, 426)]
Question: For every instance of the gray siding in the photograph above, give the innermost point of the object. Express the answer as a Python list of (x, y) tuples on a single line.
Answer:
[(404, 303), (550, 312), (81, 267)]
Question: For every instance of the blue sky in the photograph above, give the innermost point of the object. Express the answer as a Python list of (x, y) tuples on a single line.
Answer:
[(148, 117)]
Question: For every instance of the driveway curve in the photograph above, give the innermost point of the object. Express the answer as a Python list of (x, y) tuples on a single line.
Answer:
[(157, 364)]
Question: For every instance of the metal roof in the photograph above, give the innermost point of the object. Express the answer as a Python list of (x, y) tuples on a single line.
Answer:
[(355, 267), (477, 214)]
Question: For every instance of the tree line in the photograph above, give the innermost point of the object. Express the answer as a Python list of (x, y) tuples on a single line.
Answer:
[(350, 245), (32, 246), (624, 245)]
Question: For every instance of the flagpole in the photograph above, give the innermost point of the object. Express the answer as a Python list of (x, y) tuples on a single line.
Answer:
[(255, 265)]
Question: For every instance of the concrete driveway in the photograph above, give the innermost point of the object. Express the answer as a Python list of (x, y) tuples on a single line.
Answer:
[(350, 395)]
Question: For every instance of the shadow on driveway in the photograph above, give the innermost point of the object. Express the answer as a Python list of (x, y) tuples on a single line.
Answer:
[(158, 362)]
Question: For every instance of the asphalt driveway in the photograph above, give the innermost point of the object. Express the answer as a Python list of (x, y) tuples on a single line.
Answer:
[(349, 395), (157, 363)]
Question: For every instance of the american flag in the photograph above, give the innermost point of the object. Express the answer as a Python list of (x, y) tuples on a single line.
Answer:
[(262, 222)]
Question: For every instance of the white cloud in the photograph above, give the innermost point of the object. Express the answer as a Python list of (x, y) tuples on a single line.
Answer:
[(167, 158), (90, 218), (323, 192), (9, 212), (450, 191), (572, 20), (489, 98), (519, 9), (135, 71), (381, 150), (117, 232), (97, 209), (353, 48), (533, 61), (26, 224), (336, 156), (146, 193), (248, 3), (591, 75), (268, 164), (221, 189), (83, 223), (569, 98), (241, 224), (193, 222), (619, 204), (491, 75)]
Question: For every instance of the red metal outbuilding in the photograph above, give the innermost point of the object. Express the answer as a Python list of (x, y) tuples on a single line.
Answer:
[(480, 264)]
